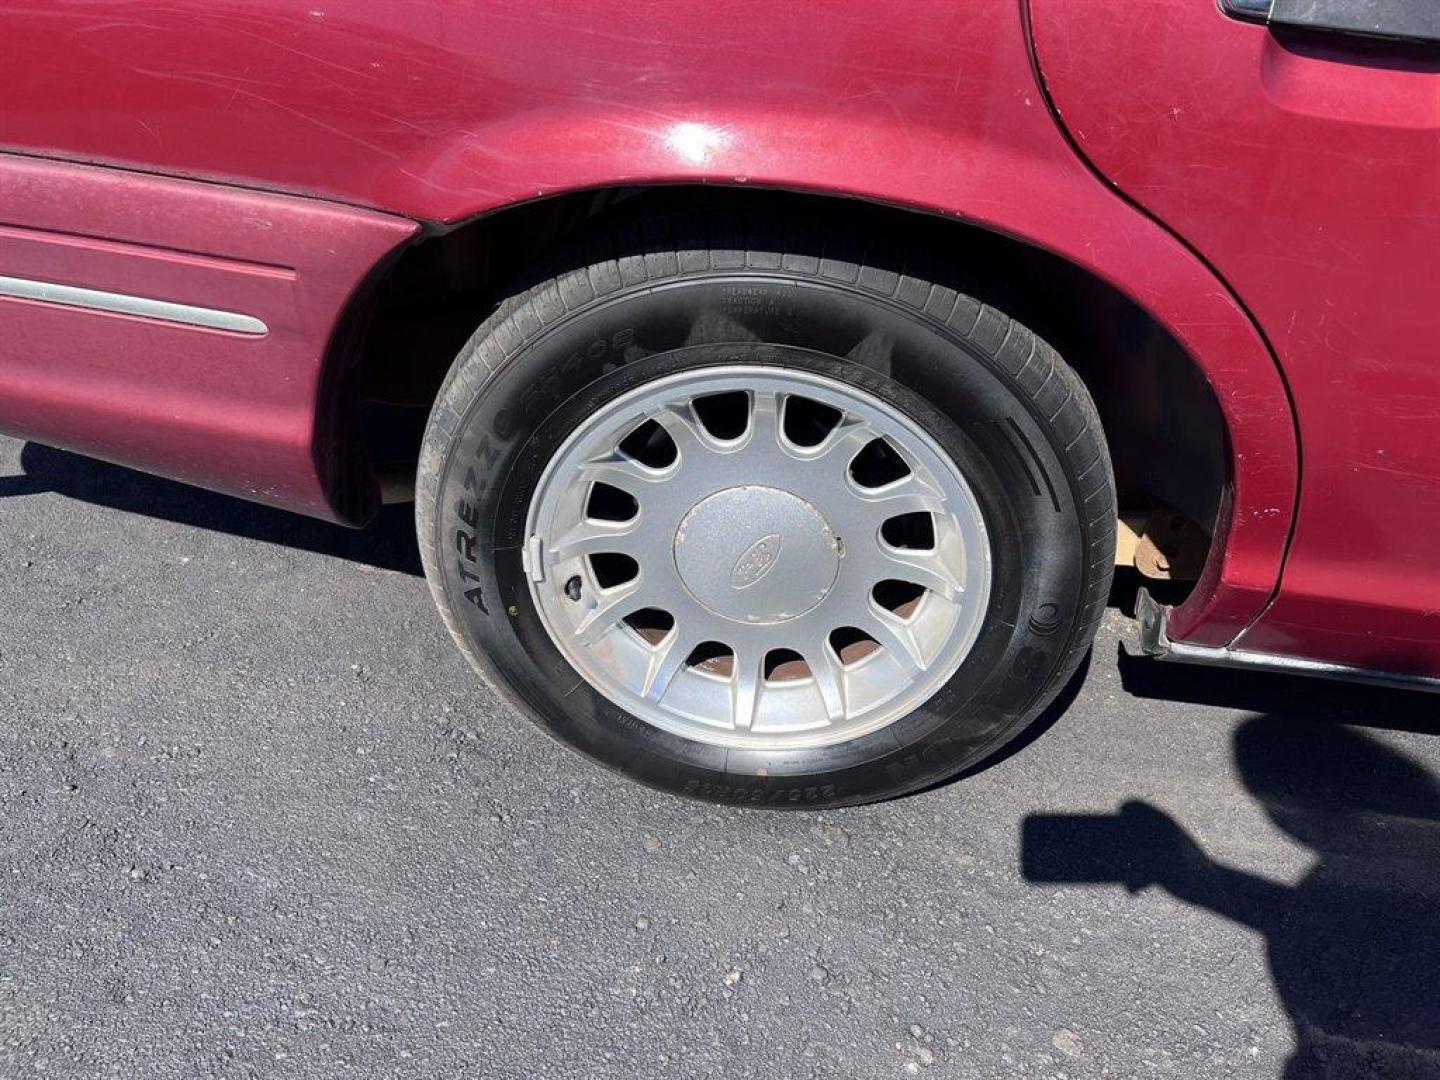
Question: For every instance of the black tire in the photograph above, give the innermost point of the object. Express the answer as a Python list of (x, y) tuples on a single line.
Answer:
[(623, 306)]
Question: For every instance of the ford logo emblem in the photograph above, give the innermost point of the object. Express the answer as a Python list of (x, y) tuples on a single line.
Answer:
[(757, 561)]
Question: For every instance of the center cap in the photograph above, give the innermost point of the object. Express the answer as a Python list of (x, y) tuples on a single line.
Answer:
[(756, 554)]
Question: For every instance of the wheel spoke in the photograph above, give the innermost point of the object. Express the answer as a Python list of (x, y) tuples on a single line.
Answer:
[(764, 427), (594, 536), (907, 495), (684, 427), (607, 608), (926, 568), (859, 512), (830, 681), (624, 472), (748, 679), (669, 657), (847, 439), (897, 639)]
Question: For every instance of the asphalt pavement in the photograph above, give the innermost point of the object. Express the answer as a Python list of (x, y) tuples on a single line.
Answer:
[(257, 818)]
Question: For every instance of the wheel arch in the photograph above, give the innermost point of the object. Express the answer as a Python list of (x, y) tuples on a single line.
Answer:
[(1099, 263)]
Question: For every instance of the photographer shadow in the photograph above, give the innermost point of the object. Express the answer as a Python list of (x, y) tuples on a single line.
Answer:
[(1354, 947)]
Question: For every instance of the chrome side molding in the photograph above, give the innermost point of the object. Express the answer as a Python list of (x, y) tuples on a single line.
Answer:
[(48, 292), (1153, 641)]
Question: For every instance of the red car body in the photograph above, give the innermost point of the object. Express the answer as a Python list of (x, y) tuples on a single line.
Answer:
[(1272, 201)]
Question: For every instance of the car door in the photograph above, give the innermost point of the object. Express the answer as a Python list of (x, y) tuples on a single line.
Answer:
[(1299, 154)]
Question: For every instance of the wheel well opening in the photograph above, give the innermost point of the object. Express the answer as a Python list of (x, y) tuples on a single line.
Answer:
[(1164, 427)]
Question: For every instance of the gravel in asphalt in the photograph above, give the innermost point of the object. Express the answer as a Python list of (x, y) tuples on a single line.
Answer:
[(257, 818)]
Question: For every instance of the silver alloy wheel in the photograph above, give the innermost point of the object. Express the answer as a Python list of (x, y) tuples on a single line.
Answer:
[(758, 557)]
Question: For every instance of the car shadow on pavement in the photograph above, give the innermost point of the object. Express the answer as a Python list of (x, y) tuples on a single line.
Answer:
[(1281, 694), (1353, 947), (388, 543)]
